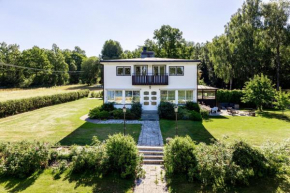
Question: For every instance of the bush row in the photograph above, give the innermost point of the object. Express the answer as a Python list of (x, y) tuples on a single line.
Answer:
[(222, 164), (108, 111), (12, 107), (95, 94), (117, 154), (190, 111)]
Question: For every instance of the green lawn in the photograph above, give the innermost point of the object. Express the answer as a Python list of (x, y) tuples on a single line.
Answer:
[(60, 123), (46, 182), (270, 125)]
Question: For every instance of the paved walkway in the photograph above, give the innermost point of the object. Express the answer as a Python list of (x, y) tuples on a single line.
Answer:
[(150, 134), (154, 181)]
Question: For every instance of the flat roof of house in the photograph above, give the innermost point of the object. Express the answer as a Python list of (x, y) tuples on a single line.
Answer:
[(203, 87), (150, 60)]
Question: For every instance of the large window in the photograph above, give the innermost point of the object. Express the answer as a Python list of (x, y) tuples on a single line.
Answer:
[(184, 96), (176, 70), (132, 97), (141, 70), (115, 96), (123, 70), (207, 94), (168, 96)]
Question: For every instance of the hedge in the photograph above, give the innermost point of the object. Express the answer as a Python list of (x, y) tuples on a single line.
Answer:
[(229, 96), (12, 107)]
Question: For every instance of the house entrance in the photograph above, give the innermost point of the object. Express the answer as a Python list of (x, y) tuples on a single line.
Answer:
[(150, 100)]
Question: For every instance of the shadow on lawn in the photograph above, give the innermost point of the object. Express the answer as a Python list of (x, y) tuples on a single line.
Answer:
[(101, 183), (271, 115), (194, 129), (180, 184), (83, 134), (19, 184)]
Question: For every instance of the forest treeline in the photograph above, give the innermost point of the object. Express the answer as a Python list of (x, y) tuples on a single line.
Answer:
[(256, 40)]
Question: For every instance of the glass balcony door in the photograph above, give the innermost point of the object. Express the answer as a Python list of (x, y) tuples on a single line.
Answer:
[(159, 70)]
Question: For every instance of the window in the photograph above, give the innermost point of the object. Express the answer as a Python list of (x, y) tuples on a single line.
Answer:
[(176, 70), (199, 94), (141, 70), (158, 70), (132, 97), (207, 94), (115, 96), (184, 96), (123, 70), (118, 97), (168, 96)]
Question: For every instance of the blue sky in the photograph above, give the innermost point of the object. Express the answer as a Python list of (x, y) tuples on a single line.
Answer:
[(89, 23)]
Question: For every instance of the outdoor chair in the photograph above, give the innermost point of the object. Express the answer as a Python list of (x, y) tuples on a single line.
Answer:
[(214, 110)]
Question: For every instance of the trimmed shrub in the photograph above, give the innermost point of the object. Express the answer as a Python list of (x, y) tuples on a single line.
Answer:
[(94, 113), (107, 107), (136, 109), (97, 113), (23, 158), (179, 155), (118, 114), (249, 158), (88, 159), (166, 110), (12, 107), (123, 155), (204, 113), (95, 94), (192, 106), (195, 116), (215, 167)]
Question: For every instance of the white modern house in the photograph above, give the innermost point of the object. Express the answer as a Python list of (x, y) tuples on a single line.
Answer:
[(149, 80)]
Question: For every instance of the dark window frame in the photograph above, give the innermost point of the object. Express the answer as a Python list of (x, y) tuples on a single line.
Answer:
[(123, 70), (175, 74), (141, 73), (158, 73)]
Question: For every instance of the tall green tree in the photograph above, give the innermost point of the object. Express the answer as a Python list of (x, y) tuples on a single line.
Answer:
[(10, 76), (169, 40), (221, 54), (259, 91), (282, 100), (275, 16), (57, 60), (37, 58), (90, 68), (111, 50)]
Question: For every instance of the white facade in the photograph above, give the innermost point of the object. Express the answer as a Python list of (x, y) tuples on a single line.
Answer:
[(184, 87)]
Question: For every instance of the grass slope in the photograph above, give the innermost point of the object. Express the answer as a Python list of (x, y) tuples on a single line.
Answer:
[(270, 125), (60, 123)]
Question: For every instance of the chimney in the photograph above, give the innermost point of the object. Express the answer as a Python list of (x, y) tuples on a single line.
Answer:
[(147, 54)]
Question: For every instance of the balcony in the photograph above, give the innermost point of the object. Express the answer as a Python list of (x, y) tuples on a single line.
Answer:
[(148, 79)]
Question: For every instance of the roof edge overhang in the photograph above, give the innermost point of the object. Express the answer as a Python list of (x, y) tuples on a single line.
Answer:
[(148, 61)]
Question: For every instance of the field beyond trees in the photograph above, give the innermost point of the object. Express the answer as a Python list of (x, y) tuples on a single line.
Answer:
[(17, 93)]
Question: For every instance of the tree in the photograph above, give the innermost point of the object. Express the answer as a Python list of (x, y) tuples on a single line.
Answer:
[(282, 100), (90, 68), (112, 50), (57, 60), (259, 91), (168, 40), (221, 54), (276, 14)]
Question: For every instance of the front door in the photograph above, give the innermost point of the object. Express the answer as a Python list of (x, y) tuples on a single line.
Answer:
[(150, 101)]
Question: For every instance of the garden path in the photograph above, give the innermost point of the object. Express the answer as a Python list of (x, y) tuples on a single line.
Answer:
[(150, 134)]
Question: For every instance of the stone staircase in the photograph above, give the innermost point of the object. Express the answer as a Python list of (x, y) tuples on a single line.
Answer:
[(150, 116), (151, 154)]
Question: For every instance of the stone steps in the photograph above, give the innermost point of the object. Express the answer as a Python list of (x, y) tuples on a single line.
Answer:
[(151, 154), (150, 116)]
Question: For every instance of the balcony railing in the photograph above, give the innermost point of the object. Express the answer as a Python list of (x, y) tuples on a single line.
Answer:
[(139, 79)]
